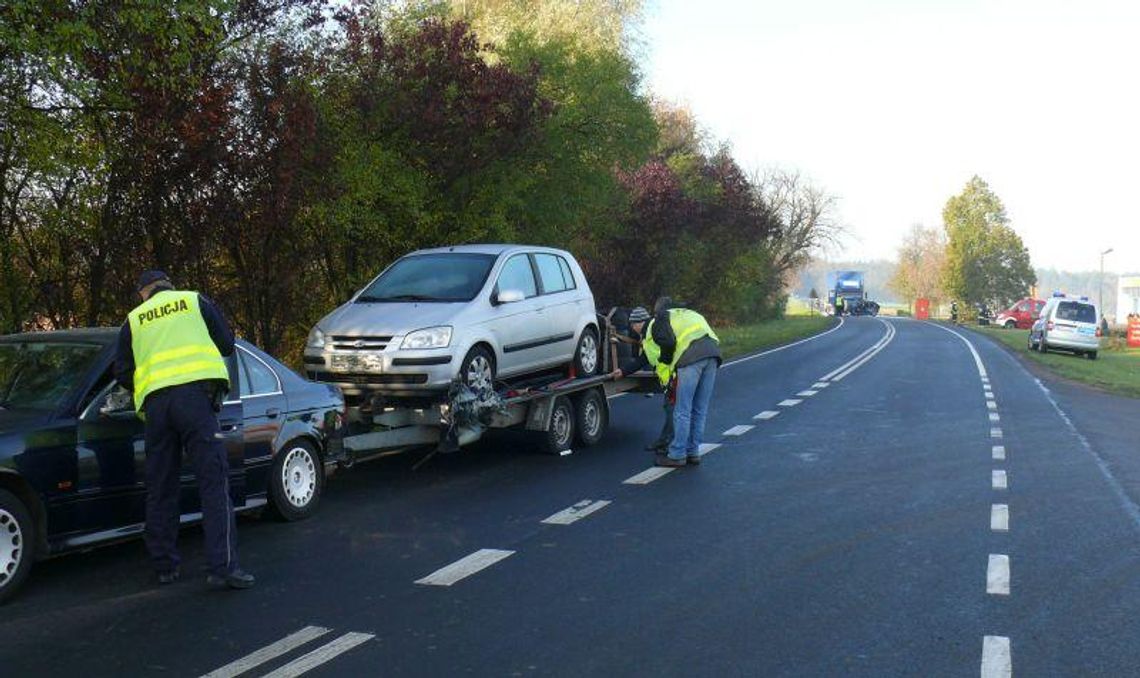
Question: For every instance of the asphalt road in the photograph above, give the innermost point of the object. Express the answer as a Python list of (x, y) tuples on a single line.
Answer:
[(890, 523)]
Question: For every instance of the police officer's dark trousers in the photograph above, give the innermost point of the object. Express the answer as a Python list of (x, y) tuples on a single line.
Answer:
[(182, 419)]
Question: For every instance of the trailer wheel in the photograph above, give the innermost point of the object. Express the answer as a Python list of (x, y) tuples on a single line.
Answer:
[(592, 417), (557, 437)]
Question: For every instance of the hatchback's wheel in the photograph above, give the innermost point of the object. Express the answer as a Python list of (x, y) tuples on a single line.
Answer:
[(592, 417), (1029, 343), (296, 480), (557, 437), (478, 369), (1009, 324), (16, 540), (1091, 355), (1041, 344), (586, 355)]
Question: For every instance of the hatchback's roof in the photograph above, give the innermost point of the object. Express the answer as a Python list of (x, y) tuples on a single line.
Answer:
[(495, 249)]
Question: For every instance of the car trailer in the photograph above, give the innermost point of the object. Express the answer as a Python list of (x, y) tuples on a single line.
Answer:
[(559, 410)]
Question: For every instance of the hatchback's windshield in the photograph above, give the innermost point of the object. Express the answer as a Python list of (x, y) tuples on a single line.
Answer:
[(36, 375), (431, 277), (1076, 311)]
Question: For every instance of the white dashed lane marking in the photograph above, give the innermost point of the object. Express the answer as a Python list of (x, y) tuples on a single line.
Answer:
[(648, 475), (766, 414), (999, 518), (738, 430), (820, 385), (995, 417), (997, 575), (465, 567), (577, 512), (269, 652), (806, 394), (790, 402), (996, 659), (999, 452), (321, 655), (991, 404), (705, 448), (1000, 482), (995, 433), (989, 396)]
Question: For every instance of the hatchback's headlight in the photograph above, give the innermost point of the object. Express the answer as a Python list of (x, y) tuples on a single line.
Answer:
[(316, 339), (432, 337)]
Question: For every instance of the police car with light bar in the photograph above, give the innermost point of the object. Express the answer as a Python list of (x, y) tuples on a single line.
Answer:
[(1069, 324)]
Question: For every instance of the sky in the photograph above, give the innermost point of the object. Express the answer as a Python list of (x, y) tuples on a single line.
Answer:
[(892, 105)]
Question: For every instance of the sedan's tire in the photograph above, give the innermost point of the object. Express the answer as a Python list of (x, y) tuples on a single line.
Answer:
[(477, 370), (557, 437), (17, 537), (296, 480), (587, 358), (591, 417)]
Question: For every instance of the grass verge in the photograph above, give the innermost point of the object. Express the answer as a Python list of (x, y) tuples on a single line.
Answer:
[(1116, 369), (742, 339)]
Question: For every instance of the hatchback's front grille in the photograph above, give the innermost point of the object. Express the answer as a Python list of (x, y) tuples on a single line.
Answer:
[(346, 343), (368, 379)]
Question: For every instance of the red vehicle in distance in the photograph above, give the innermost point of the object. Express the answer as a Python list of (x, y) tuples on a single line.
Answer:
[(1021, 315)]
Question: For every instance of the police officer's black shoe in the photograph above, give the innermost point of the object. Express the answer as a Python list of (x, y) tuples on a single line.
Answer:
[(168, 577), (238, 579)]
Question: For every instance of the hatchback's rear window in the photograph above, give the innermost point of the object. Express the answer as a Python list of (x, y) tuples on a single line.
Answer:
[(1075, 311), (431, 277)]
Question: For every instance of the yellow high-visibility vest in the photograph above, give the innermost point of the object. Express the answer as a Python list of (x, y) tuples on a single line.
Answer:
[(172, 344), (688, 326)]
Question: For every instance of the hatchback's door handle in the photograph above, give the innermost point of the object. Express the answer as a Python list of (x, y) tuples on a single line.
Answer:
[(272, 412)]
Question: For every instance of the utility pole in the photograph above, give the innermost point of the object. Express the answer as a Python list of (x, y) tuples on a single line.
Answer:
[(1100, 292)]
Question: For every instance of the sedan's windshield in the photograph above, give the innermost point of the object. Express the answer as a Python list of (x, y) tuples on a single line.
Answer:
[(36, 375), (431, 277)]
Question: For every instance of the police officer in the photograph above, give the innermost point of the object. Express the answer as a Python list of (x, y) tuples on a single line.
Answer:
[(839, 304), (170, 354), (679, 343), (954, 312)]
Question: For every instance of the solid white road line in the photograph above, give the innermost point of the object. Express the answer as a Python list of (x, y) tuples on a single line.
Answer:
[(738, 430), (997, 575), (766, 414), (820, 384), (883, 343), (857, 358), (648, 475), (994, 416), (705, 448), (999, 517), (781, 348), (790, 402), (806, 394), (999, 452), (321, 655), (269, 652), (999, 480), (996, 659), (465, 567), (577, 512), (973, 351), (995, 433), (991, 404)]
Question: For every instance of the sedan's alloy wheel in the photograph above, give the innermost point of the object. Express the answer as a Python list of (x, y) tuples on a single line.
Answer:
[(299, 477), (11, 546)]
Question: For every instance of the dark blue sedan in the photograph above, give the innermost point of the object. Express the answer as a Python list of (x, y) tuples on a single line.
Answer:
[(72, 453)]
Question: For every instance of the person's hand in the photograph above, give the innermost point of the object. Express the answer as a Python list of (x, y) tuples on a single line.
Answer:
[(616, 374)]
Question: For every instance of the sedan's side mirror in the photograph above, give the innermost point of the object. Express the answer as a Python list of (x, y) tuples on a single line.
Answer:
[(118, 401), (509, 297)]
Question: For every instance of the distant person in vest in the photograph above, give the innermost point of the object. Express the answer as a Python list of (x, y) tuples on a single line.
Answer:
[(678, 343), (170, 355)]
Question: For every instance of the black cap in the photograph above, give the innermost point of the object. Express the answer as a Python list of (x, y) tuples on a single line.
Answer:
[(149, 278)]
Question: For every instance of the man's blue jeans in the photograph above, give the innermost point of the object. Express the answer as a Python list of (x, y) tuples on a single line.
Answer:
[(694, 391)]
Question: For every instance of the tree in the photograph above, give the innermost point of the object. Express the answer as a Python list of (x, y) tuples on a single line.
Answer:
[(921, 260), (986, 261), (806, 216)]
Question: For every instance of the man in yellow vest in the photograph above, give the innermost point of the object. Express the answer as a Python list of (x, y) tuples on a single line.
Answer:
[(170, 354), (679, 343), (839, 304)]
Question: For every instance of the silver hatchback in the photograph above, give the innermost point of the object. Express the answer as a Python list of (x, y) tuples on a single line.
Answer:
[(476, 312)]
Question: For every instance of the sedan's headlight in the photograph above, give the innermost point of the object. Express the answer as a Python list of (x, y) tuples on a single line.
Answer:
[(432, 337), (316, 339)]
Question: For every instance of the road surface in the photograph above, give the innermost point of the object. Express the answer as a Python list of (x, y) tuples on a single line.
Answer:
[(891, 498)]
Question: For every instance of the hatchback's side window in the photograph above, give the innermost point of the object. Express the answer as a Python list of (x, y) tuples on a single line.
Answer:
[(1023, 306), (256, 378), (518, 275), (550, 273), (567, 276)]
